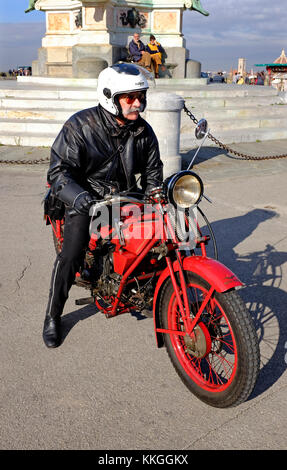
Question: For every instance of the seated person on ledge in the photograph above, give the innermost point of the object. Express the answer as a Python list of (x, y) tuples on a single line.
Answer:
[(155, 50), (138, 52)]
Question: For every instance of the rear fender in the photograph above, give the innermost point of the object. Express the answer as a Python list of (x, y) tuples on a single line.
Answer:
[(215, 273)]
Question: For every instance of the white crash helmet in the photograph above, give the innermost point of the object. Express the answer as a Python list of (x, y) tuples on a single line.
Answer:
[(120, 78)]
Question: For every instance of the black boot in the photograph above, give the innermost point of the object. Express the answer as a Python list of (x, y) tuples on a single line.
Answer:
[(52, 331)]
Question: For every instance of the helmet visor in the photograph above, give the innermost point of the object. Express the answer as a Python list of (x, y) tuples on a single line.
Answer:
[(132, 96)]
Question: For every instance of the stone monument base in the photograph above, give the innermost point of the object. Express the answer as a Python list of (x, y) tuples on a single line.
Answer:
[(87, 61), (84, 36), (78, 61)]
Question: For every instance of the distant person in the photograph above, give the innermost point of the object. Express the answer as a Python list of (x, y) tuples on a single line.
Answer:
[(259, 79), (267, 80), (138, 52), (235, 77), (155, 50), (240, 80)]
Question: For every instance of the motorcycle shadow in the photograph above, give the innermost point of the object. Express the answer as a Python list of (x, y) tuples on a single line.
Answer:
[(261, 272), (71, 319)]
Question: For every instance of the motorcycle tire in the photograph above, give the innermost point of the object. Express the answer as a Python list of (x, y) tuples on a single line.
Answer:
[(58, 243), (219, 362)]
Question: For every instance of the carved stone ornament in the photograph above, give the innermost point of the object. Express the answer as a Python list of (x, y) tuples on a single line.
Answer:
[(79, 20), (133, 18)]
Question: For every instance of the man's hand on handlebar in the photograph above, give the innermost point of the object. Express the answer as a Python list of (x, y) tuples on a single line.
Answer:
[(82, 203)]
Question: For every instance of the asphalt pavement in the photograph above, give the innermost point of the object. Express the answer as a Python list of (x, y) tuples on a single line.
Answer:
[(108, 387)]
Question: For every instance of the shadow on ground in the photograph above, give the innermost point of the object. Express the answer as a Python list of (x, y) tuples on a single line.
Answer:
[(261, 273), (205, 154)]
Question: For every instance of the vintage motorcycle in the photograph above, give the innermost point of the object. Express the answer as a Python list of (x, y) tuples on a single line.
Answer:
[(149, 255)]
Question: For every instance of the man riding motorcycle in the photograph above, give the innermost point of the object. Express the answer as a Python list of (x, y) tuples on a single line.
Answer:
[(98, 150)]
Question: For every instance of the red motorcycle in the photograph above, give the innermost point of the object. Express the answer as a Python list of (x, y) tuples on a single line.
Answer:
[(150, 256)]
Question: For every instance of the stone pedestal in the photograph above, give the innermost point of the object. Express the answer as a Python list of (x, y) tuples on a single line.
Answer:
[(193, 69), (81, 34), (164, 114)]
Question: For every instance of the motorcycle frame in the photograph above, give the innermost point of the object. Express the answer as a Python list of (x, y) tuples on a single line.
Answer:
[(57, 228), (193, 263)]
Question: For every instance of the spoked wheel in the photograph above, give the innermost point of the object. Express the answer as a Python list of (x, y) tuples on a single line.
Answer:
[(58, 238), (219, 361)]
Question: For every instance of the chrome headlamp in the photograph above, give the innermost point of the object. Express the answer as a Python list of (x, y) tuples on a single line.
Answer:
[(184, 189)]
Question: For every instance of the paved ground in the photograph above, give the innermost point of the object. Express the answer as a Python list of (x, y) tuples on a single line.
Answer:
[(107, 386)]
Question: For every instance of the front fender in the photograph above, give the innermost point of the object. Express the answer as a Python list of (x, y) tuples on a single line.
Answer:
[(215, 273)]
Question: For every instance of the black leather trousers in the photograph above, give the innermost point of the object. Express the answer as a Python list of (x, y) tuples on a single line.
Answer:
[(76, 239)]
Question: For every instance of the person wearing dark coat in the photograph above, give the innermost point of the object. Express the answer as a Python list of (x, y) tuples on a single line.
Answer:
[(98, 150)]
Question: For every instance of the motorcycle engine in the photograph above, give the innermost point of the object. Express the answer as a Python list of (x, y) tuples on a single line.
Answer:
[(105, 282)]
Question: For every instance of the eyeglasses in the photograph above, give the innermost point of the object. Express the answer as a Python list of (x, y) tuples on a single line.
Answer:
[(131, 97)]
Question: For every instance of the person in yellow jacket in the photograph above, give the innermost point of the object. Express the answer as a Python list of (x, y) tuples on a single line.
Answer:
[(155, 50)]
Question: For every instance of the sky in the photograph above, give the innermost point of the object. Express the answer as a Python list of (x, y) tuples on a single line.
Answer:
[(252, 29)]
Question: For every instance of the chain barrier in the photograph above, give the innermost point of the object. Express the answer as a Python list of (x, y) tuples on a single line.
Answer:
[(193, 118), (228, 149), (24, 162)]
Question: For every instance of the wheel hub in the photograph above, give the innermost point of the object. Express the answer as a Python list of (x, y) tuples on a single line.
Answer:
[(198, 344)]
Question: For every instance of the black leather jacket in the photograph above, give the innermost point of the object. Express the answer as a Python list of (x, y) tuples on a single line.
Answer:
[(92, 150)]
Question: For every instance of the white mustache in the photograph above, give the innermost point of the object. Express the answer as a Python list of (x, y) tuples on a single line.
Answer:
[(133, 109)]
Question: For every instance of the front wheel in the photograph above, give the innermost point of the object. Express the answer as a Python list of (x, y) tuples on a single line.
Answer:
[(219, 361)]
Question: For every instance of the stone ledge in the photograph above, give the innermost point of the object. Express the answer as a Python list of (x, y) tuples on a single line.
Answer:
[(92, 82)]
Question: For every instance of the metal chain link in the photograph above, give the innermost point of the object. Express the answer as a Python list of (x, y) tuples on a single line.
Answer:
[(228, 149), (24, 162)]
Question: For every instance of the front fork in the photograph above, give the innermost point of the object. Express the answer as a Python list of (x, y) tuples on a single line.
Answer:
[(182, 292), (184, 302)]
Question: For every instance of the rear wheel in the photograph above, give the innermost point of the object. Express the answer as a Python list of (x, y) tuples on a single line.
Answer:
[(58, 234), (58, 238), (219, 361)]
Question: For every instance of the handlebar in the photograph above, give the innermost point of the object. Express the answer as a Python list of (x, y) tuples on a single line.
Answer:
[(108, 202)]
